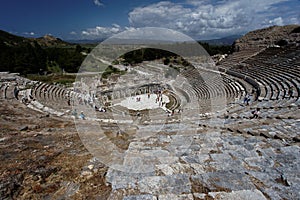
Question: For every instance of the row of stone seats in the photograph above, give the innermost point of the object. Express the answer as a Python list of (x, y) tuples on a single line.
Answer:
[(284, 79), (209, 85), (271, 86), (233, 90), (239, 56), (9, 82), (273, 109), (176, 101), (196, 80), (287, 57), (281, 106), (186, 90), (275, 79), (236, 89), (6, 91), (280, 69), (52, 96)]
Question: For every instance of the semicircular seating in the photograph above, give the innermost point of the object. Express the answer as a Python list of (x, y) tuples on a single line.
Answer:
[(272, 73), (270, 70)]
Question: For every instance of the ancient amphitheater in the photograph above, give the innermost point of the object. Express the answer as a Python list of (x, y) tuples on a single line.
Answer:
[(192, 135)]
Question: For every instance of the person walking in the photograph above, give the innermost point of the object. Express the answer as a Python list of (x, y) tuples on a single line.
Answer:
[(256, 113), (16, 92)]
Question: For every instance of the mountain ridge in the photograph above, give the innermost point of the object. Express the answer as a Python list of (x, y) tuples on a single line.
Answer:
[(45, 41)]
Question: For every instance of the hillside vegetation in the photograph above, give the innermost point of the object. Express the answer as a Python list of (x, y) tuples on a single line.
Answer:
[(39, 56)]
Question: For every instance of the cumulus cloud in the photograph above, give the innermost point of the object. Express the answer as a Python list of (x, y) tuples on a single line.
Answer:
[(210, 19), (100, 32), (98, 3), (73, 33), (205, 19)]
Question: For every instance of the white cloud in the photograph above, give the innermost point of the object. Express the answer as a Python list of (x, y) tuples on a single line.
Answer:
[(277, 21), (29, 33), (98, 3), (210, 19), (100, 32), (204, 19), (73, 33)]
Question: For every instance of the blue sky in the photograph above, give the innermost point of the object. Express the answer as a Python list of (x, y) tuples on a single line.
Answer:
[(95, 19)]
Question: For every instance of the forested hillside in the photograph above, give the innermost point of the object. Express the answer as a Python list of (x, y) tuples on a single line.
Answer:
[(41, 55)]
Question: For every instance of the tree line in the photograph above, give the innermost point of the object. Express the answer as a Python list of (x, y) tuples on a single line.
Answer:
[(148, 54)]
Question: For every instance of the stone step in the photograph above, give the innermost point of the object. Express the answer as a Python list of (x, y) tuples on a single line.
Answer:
[(221, 181), (241, 194), (159, 185)]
